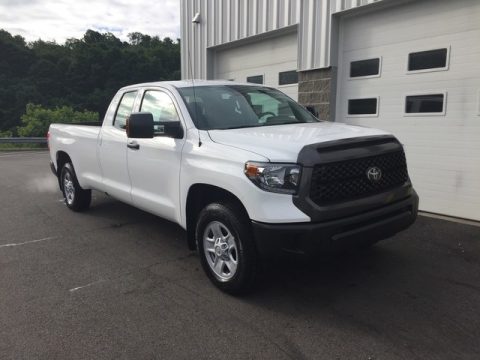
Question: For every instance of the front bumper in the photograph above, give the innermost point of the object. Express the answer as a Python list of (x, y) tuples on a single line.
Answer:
[(338, 234)]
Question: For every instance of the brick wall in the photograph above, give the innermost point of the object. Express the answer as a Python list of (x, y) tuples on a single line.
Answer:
[(317, 88)]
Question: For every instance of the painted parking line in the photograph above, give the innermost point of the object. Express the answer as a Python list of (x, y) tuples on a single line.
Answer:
[(28, 242), (87, 285)]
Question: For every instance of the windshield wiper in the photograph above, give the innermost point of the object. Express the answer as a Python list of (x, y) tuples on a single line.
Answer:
[(284, 123), (262, 125), (237, 127)]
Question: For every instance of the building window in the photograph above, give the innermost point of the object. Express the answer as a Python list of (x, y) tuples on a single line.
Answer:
[(363, 107), (428, 60), (287, 77), (257, 79), (425, 104), (365, 68)]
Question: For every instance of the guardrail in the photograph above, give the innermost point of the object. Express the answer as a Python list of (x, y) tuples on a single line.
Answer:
[(23, 140)]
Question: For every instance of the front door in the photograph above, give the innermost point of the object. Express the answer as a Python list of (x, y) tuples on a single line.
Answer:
[(154, 167), (113, 150)]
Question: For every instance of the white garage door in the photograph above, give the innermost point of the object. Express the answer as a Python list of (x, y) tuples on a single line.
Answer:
[(414, 70), (272, 61)]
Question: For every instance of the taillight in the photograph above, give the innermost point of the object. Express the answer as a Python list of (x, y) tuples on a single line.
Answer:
[(48, 140)]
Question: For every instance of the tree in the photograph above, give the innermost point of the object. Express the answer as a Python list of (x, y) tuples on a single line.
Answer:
[(6, 134), (36, 120), (82, 74)]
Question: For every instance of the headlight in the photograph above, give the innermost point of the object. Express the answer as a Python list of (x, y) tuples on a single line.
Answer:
[(279, 178)]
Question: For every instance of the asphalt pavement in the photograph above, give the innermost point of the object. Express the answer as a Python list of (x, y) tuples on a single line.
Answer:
[(118, 283)]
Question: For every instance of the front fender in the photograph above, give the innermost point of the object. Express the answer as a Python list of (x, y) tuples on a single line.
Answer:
[(223, 166)]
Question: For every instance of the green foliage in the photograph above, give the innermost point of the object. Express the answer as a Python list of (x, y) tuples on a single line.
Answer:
[(6, 134), (36, 120), (82, 73)]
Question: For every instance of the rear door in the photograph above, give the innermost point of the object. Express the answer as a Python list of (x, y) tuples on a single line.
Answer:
[(154, 167), (113, 147)]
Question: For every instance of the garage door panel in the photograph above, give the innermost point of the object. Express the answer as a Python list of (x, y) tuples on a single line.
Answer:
[(461, 54), (266, 57), (443, 150), (418, 21)]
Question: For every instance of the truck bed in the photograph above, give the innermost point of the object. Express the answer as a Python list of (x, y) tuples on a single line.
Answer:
[(79, 141)]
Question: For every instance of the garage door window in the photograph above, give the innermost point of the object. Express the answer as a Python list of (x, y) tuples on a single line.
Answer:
[(363, 107), (431, 60), (365, 68), (287, 77), (425, 104), (257, 79)]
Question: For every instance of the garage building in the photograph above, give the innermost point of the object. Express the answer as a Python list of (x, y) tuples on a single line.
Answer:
[(409, 67)]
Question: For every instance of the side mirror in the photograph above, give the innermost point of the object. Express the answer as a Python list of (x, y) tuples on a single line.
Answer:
[(140, 126), (311, 109), (171, 129)]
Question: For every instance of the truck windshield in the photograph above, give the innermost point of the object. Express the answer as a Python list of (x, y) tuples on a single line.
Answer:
[(220, 107)]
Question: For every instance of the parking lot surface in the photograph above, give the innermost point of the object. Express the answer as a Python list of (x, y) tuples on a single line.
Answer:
[(118, 283)]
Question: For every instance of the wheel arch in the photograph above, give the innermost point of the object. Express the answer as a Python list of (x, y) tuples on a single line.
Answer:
[(61, 159), (200, 195)]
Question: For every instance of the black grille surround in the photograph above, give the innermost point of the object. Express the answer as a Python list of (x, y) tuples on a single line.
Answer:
[(334, 183), (348, 180)]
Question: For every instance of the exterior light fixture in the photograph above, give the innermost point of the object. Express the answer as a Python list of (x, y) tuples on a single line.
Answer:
[(196, 18)]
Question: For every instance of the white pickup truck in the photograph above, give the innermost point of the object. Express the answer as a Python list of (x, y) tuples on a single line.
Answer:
[(244, 169)]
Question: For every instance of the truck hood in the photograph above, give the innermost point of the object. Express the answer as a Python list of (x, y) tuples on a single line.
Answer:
[(282, 143)]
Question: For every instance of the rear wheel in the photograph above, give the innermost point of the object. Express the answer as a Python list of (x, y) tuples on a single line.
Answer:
[(226, 247), (76, 198)]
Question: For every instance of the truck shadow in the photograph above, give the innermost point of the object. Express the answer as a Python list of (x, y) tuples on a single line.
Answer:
[(322, 275), (409, 287), (410, 262), (418, 288), (328, 276)]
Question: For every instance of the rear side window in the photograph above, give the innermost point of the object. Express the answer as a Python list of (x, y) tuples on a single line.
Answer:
[(124, 109)]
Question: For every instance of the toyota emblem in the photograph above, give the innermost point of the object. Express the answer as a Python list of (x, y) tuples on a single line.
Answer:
[(374, 174)]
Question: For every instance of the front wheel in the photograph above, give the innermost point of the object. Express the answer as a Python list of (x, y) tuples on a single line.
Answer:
[(76, 198), (227, 250)]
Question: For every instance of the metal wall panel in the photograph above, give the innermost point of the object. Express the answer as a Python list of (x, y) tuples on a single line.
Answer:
[(224, 21), (315, 34)]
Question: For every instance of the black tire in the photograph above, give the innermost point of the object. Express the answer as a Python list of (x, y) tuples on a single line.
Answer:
[(237, 223), (80, 201)]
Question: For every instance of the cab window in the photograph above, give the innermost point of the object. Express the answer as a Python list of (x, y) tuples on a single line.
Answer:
[(160, 105), (124, 109), (240, 106), (265, 105)]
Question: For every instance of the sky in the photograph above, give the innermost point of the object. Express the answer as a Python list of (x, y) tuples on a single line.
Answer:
[(58, 20)]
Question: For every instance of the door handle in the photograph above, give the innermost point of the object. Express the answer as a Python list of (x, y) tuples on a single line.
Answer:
[(133, 145)]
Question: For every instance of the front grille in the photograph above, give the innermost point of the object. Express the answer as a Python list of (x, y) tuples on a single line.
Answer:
[(347, 180)]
